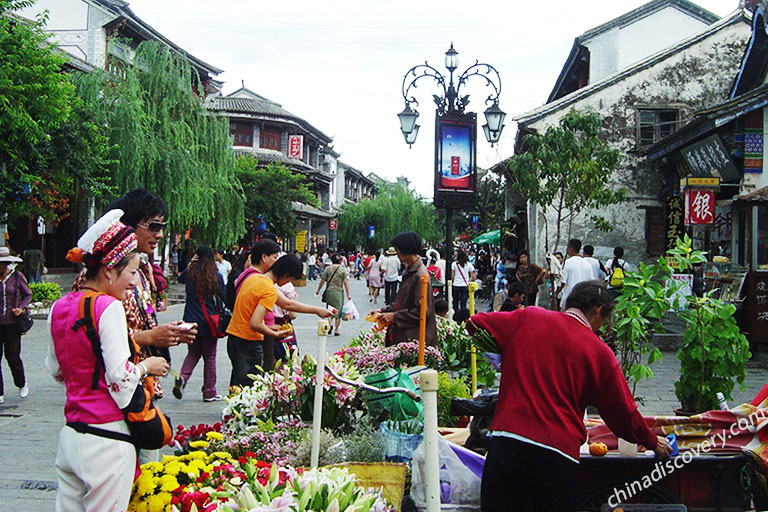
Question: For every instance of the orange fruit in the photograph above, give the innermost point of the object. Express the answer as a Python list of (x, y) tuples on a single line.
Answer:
[(598, 449), (286, 327)]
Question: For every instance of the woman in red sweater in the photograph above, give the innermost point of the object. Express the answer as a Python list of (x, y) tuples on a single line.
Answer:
[(553, 367)]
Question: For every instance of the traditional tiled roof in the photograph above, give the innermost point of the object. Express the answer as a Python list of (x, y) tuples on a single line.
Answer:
[(705, 121), (738, 16), (579, 55), (244, 101), (268, 156), (758, 196), (120, 9), (311, 211)]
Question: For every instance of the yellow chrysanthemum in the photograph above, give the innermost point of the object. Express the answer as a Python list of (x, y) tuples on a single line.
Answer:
[(144, 484), (158, 502), (197, 454), (141, 506), (216, 436), (169, 458), (153, 466), (198, 464), (199, 444), (172, 468), (168, 483), (221, 455)]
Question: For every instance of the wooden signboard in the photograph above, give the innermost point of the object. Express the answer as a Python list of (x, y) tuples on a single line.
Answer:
[(757, 303)]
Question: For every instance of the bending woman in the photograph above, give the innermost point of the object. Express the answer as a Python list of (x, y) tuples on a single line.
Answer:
[(95, 472)]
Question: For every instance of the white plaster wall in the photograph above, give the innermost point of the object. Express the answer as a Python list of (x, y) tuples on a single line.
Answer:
[(622, 47), (676, 80)]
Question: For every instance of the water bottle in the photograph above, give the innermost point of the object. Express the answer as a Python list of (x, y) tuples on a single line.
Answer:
[(722, 403)]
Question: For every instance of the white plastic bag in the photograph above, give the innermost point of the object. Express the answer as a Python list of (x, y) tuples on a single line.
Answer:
[(349, 311), (458, 484)]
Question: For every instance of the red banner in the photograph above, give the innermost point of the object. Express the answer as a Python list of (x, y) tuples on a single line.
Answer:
[(699, 206), (296, 146)]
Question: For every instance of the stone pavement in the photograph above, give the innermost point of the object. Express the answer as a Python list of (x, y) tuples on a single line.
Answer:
[(29, 428)]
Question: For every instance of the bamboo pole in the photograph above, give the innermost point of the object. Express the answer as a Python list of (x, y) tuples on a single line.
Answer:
[(423, 318), (472, 288)]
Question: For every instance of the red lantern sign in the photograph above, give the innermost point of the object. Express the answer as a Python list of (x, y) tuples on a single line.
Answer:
[(296, 146), (699, 206)]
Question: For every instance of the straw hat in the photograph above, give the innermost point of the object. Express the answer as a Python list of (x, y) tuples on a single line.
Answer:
[(5, 256), (391, 251)]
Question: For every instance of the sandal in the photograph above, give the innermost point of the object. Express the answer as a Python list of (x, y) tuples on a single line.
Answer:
[(337, 333)]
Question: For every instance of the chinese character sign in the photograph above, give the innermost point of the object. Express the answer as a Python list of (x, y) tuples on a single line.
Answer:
[(301, 241), (699, 206), (332, 225), (296, 146), (675, 228)]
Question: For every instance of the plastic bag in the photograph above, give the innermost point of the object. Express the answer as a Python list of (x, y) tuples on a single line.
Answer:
[(400, 407), (399, 447), (459, 485), (349, 311)]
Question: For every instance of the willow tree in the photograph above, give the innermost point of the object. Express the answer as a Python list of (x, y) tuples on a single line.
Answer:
[(395, 208), (167, 142)]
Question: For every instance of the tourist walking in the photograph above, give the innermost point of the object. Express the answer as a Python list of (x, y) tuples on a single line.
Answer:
[(204, 289), (598, 270), (34, 261), (336, 283), (530, 275), (312, 265), (15, 296), (616, 268), (390, 265), (94, 470), (402, 317), (222, 266), (436, 276), (575, 270), (375, 281), (462, 273)]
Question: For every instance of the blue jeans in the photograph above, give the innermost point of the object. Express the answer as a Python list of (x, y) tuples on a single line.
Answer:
[(460, 297)]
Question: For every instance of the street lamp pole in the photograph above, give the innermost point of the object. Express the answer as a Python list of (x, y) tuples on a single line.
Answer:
[(451, 104)]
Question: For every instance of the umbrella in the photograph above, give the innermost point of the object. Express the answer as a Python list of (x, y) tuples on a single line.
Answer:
[(491, 237)]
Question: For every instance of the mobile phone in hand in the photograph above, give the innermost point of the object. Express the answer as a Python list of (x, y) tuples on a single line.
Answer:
[(185, 326)]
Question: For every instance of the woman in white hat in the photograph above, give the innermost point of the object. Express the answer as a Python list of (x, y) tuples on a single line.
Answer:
[(14, 299)]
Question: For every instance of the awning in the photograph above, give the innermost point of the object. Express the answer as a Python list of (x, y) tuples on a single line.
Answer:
[(491, 237)]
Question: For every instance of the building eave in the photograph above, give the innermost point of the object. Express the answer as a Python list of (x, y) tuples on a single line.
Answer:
[(738, 16)]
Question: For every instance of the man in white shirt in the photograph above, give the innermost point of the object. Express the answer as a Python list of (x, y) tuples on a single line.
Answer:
[(390, 265), (223, 266), (575, 270), (597, 268)]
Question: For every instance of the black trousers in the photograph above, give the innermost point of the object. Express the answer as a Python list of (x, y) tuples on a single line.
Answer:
[(10, 343), (390, 292), (244, 355), (517, 474)]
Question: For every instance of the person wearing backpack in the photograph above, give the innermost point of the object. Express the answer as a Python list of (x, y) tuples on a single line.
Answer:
[(617, 269), (96, 457), (204, 287)]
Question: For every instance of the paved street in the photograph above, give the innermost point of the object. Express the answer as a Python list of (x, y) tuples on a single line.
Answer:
[(29, 428)]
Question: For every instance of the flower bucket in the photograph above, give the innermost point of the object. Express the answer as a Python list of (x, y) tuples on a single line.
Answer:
[(399, 447), (390, 476)]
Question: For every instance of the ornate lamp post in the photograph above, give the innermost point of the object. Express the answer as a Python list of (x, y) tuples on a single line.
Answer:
[(451, 105)]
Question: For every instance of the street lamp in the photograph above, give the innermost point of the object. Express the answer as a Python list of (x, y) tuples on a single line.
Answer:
[(451, 104)]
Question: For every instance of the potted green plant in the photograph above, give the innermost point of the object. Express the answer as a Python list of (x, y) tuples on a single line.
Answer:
[(713, 352), (640, 306)]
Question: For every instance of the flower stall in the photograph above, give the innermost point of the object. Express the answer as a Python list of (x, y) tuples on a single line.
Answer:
[(253, 458)]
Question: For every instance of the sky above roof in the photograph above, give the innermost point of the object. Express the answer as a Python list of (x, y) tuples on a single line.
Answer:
[(340, 65)]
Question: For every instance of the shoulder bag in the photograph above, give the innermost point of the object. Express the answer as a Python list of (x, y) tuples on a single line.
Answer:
[(324, 298), (149, 428), (24, 321), (218, 321)]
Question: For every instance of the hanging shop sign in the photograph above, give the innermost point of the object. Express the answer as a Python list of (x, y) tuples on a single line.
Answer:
[(709, 158), (296, 146), (301, 241), (455, 160), (333, 225), (675, 225), (699, 206), (699, 182), (371, 231)]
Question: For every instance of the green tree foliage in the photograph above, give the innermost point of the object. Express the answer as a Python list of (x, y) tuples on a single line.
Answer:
[(165, 141), (269, 192), (395, 208), (567, 168), (48, 147)]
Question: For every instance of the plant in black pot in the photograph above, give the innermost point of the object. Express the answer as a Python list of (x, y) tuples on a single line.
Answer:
[(714, 352)]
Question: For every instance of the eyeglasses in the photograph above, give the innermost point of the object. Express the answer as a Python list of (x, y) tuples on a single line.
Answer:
[(154, 226)]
